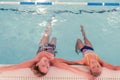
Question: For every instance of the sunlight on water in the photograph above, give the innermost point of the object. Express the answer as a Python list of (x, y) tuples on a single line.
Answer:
[(41, 11)]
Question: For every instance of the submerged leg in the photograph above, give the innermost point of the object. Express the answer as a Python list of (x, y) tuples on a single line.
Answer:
[(53, 45), (78, 45), (86, 41), (45, 38), (53, 41)]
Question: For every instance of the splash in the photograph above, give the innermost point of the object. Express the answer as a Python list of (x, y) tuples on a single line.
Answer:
[(53, 20), (43, 23), (41, 10)]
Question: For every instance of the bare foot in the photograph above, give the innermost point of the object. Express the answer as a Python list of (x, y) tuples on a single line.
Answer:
[(78, 46)]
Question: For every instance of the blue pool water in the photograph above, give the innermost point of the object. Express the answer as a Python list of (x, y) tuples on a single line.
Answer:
[(22, 27)]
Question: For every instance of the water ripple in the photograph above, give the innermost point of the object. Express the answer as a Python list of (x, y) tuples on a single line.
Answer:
[(41, 11)]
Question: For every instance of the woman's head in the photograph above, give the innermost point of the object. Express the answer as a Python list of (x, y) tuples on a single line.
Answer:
[(42, 67), (95, 68)]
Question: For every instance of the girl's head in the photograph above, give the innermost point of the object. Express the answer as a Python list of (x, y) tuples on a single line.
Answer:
[(42, 67), (95, 68)]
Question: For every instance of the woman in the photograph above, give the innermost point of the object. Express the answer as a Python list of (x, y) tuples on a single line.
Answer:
[(41, 62), (90, 58)]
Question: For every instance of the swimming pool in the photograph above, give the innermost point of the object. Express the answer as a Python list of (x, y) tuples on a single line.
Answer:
[(21, 28)]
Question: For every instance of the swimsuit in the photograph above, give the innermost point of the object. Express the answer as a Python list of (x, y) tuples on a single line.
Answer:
[(86, 47), (88, 51), (47, 47)]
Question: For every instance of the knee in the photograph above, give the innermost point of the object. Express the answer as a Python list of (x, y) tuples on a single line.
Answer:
[(78, 39)]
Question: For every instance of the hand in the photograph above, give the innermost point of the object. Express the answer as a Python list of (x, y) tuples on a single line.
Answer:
[(50, 56), (45, 54)]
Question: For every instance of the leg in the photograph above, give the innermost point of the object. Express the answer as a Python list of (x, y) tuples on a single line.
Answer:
[(53, 41), (79, 45), (86, 41), (45, 38), (52, 44)]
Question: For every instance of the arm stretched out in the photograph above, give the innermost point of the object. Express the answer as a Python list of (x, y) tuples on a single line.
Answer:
[(77, 62), (109, 66), (67, 61), (29, 63), (63, 65), (26, 64)]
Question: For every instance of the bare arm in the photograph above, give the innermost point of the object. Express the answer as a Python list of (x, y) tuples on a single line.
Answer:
[(69, 62), (26, 64), (80, 62), (109, 66), (73, 69)]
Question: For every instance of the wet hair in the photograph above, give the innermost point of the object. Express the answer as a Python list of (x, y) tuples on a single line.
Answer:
[(37, 71), (95, 73)]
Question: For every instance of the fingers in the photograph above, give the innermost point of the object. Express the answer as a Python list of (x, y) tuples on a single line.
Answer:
[(48, 55)]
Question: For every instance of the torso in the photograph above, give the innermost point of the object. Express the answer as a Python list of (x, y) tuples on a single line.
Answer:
[(90, 55)]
